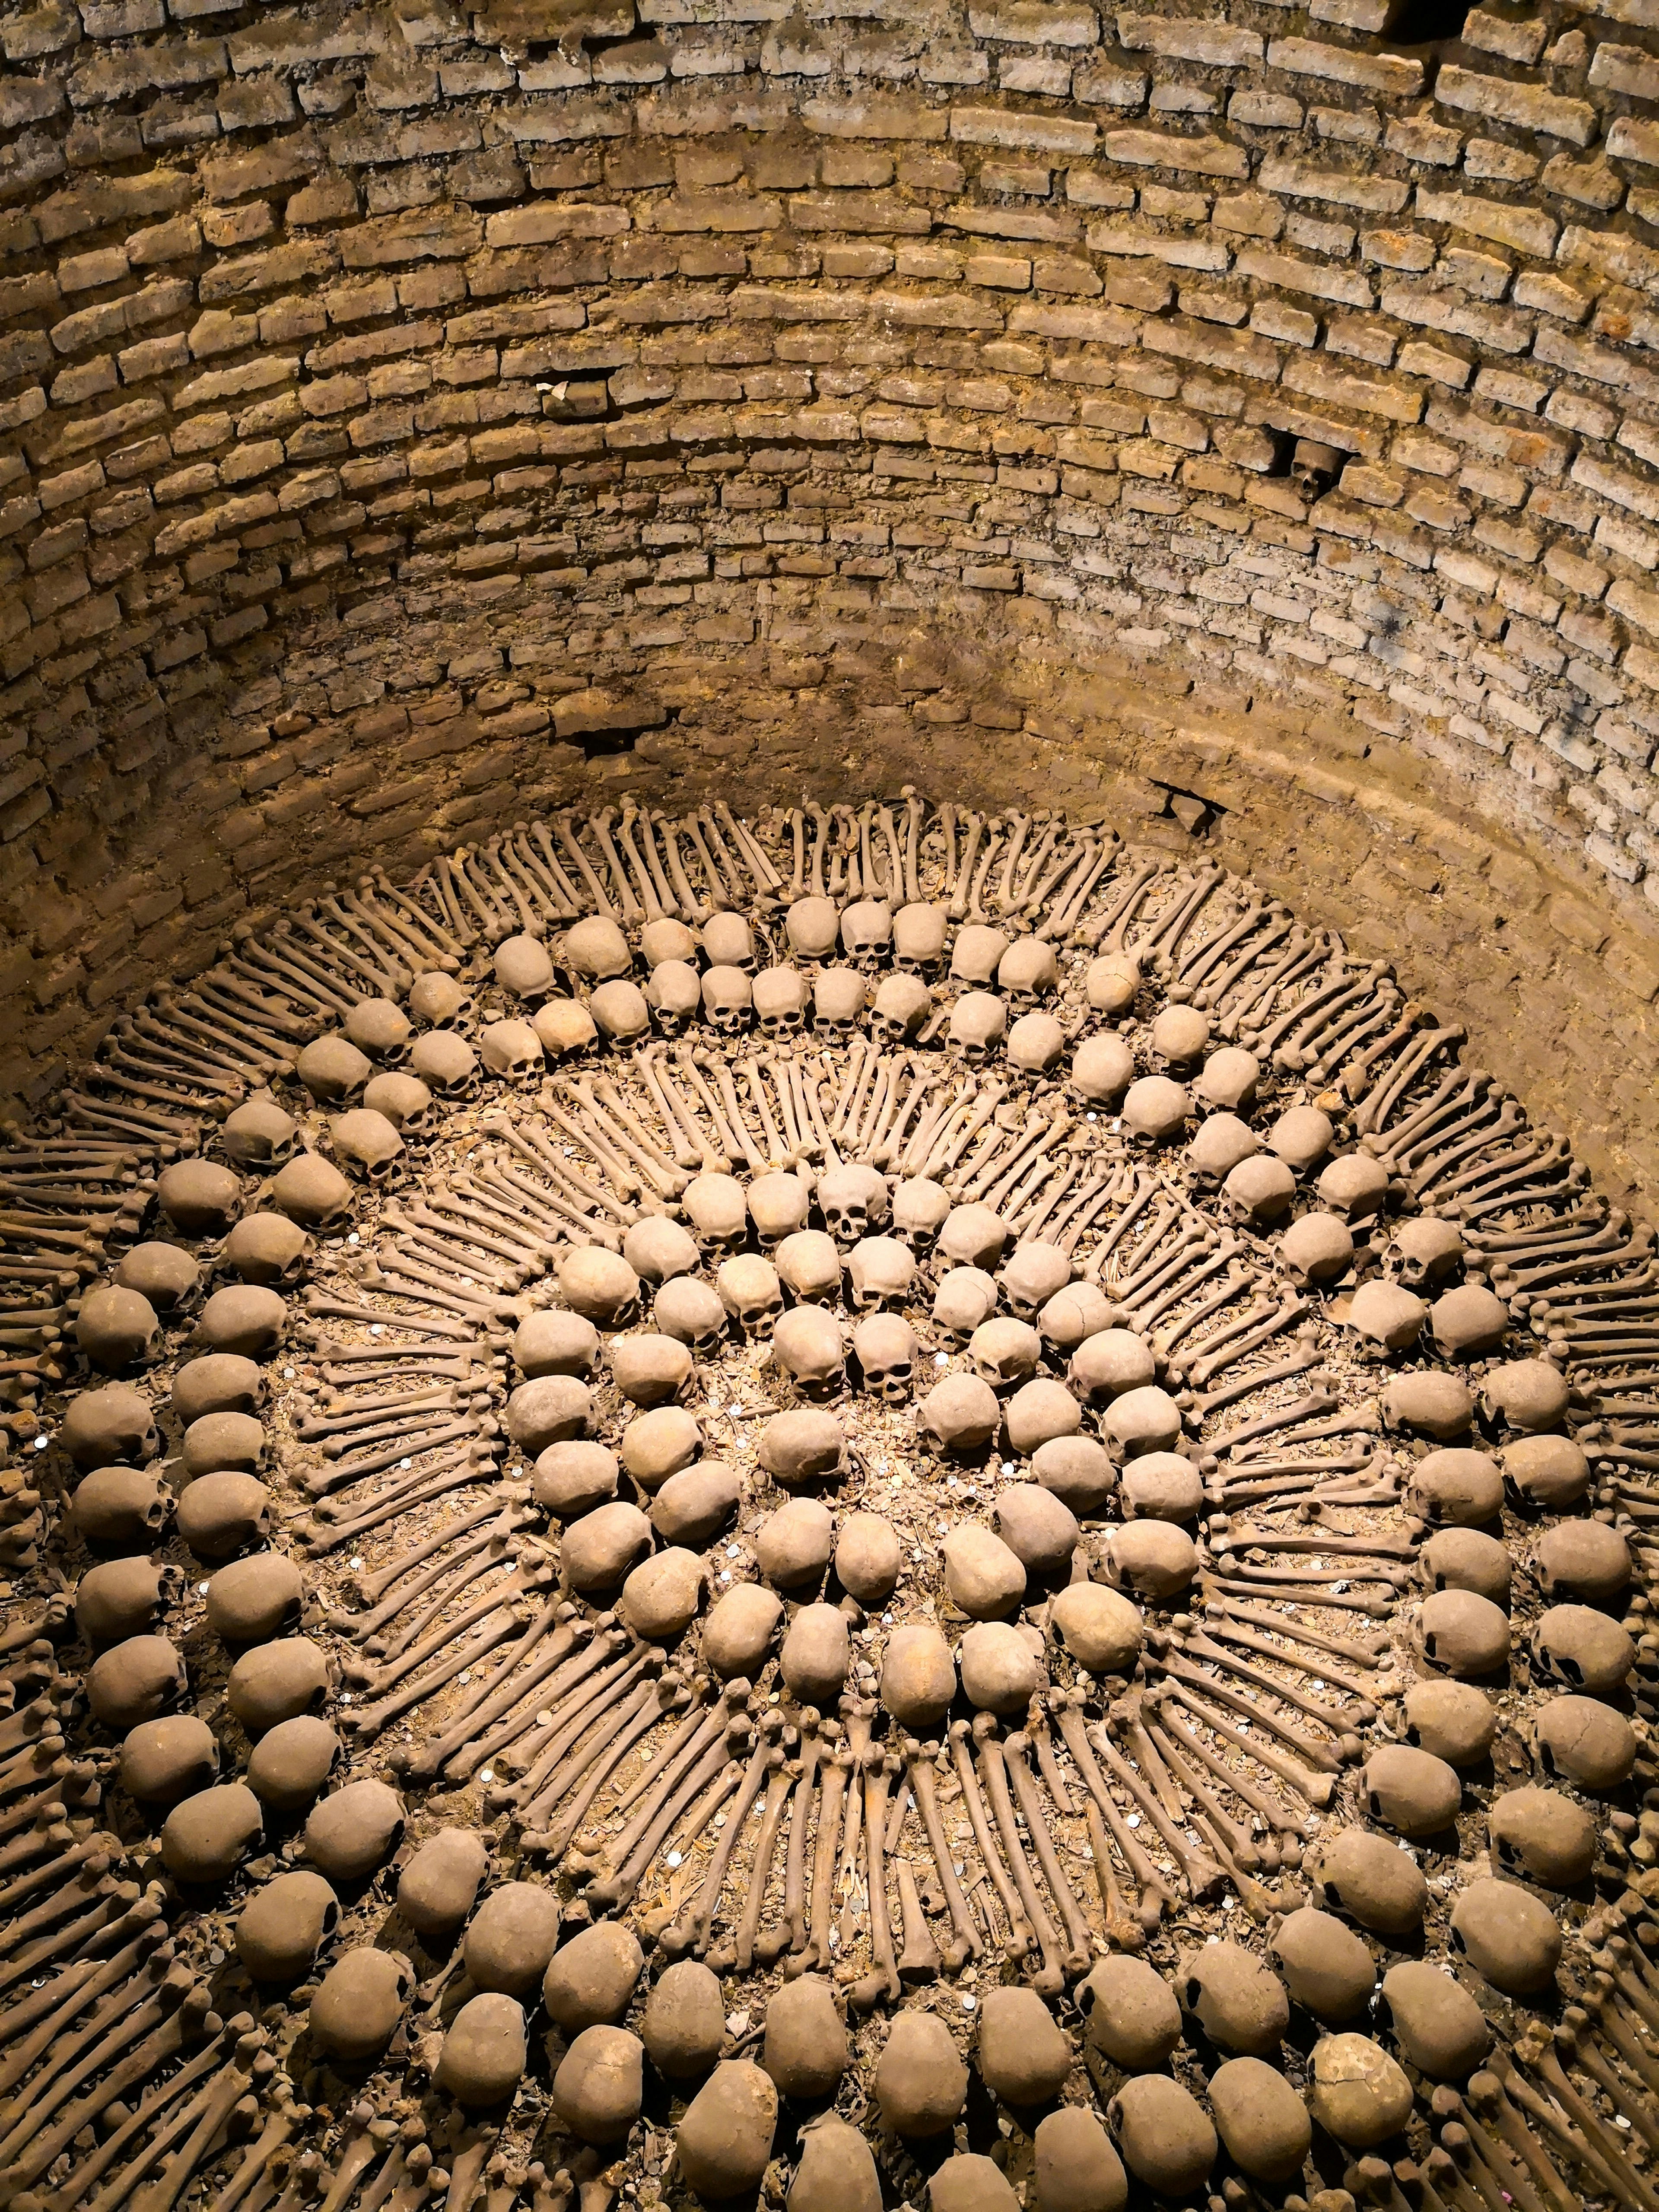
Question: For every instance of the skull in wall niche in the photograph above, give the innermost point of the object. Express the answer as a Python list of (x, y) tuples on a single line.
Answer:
[(673, 992), (718, 1212), (1315, 467), (728, 999), (884, 1346), (853, 1203), (366, 1146), (728, 942), (837, 1003), (751, 1292), (512, 1050), (978, 1021), (778, 1205), (882, 1272), (779, 997), (866, 934), (902, 1005), (918, 939)]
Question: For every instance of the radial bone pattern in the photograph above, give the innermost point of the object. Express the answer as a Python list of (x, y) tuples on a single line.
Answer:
[(875, 1505)]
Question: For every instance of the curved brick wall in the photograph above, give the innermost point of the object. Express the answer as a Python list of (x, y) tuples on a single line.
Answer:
[(1236, 419)]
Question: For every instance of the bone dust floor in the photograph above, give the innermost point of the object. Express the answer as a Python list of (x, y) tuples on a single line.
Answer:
[(867, 1503)]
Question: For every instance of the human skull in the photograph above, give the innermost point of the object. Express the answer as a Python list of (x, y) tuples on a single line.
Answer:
[(918, 939), (366, 1146), (959, 1416), (1180, 1036), (882, 1272), (1004, 1351), (1028, 970), (779, 997), (1036, 1043), (778, 1206), (333, 1069), (1035, 1274), (523, 968), (973, 1236), (1315, 467), (658, 1249), (380, 1028), (715, 1207), (619, 1011), (258, 1135), (513, 1050), (853, 1202), (751, 1292), (884, 1346), (1423, 1252), (728, 942), (866, 934), (667, 940), (728, 999), (920, 1206), (1258, 1192), (446, 1063), (1222, 1140), (901, 1006), (809, 1265), (1354, 1185), (807, 1345), (596, 949), (1113, 983), (965, 1297), (673, 991), (116, 1329), (440, 1001), (689, 1311), (1316, 1249), (564, 1026), (978, 1021), (977, 953), (812, 926), (837, 1001), (1154, 1110), (404, 1099)]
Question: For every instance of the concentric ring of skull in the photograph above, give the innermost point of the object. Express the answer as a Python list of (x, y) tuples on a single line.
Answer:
[(823, 1405)]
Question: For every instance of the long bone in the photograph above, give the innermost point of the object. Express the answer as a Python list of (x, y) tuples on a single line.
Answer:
[(1307, 1767), (407, 1444), (733, 1114), (1373, 1104), (35, 2026), (795, 1859), (1432, 1163), (73, 1853), (589, 1773), (599, 827), (1198, 960), (716, 1776), (602, 1099), (1221, 1643), (487, 1699), (654, 897), (1050, 1976), (1328, 1054), (692, 1930), (573, 1196), (580, 1121), (511, 1709), (707, 1732), (403, 1684), (1542, 2058), (1319, 1401), (30, 2154), (836, 1773), (1235, 1848), (187, 2083), (1080, 1949), (1299, 956), (1259, 1378), (1123, 1933), (693, 908), (1483, 2170), (110, 1919), (1200, 1873), (748, 1943), (123, 1998), (1559, 2123), (597, 1700), (1584, 2023), (83, 1884), (1486, 2096), (1163, 1293), (1021, 1933), (690, 1149), (231, 2092), (882, 1981), (955, 891), (1278, 1818), (966, 1941), (1156, 1894), (596, 891), (1247, 1334)]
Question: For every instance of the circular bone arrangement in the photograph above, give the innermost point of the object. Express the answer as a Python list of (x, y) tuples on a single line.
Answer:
[(873, 1504)]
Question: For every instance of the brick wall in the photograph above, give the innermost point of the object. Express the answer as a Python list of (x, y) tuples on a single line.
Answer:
[(408, 421)]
